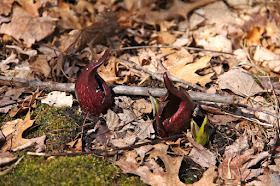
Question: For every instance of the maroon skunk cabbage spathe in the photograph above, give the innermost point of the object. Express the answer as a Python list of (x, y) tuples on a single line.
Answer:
[(93, 94), (175, 111)]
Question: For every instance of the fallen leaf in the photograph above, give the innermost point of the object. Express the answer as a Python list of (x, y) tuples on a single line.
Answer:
[(208, 177), (201, 155), (218, 13), (66, 17), (14, 139), (238, 167), (112, 120), (237, 147), (269, 59), (30, 6), (239, 82), (6, 7), (254, 36), (177, 9), (150, 173), (141, 151), (10, 99), (25, 27), (96, 33), (142, 106), (166, 38), (58, 99), (6, 158), (41, 66), (124, 142), (217, 43), (108, 72), (268, 178), (188, 73)]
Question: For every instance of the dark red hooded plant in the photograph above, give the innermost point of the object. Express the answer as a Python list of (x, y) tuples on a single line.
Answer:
[(92, 92), (175, 111)]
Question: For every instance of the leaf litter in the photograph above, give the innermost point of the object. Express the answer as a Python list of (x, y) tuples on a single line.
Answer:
[(69, 35)]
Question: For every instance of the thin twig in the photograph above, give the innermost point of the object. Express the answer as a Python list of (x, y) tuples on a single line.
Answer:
[(11, 167), (117, 89), (188, 48)]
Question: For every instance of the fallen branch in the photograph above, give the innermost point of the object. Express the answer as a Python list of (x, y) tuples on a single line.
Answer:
[(117, 89)]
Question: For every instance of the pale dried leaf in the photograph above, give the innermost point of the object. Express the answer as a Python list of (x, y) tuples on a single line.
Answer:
[(6, 7), (186, 71), (237, 167), (124, 142), (141, 151), (20, 71), (15, 141), (112, 120), (217, 43), (6, 157), (218, 13), (58, 99), (155, 176), (29, 29), (237, 147), (201, 155), (268, 59), (208, 177), (239, 82)]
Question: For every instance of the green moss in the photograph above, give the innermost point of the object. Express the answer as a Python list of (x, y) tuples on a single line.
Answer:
[(78, 170), (59, 128), (61, 125)]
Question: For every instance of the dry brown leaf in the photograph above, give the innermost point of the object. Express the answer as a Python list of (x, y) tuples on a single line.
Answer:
[(97, 33), (10, 99), (187, 71), (6, 158), (208, 177), (237, 147), (268, 178), (6, 7), (58, 99), (76, 145), (151, 173), (216, 43), (142, 106), (41, 66), (166, 38), (254, 36), (28, 102), (269, 59), (25, 27), (238, 167), (177, 9), (30, 6), (112, 120), (67, 18), (239, 82), (108, 72), (14, 139), (146, 58), (202, 156), (217, 13)]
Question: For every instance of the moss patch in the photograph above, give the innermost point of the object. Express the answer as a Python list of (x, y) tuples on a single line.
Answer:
[(61, 125), (78, 170)]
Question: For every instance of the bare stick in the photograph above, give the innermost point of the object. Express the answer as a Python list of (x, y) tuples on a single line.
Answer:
[(117, 89), (188, 48)]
